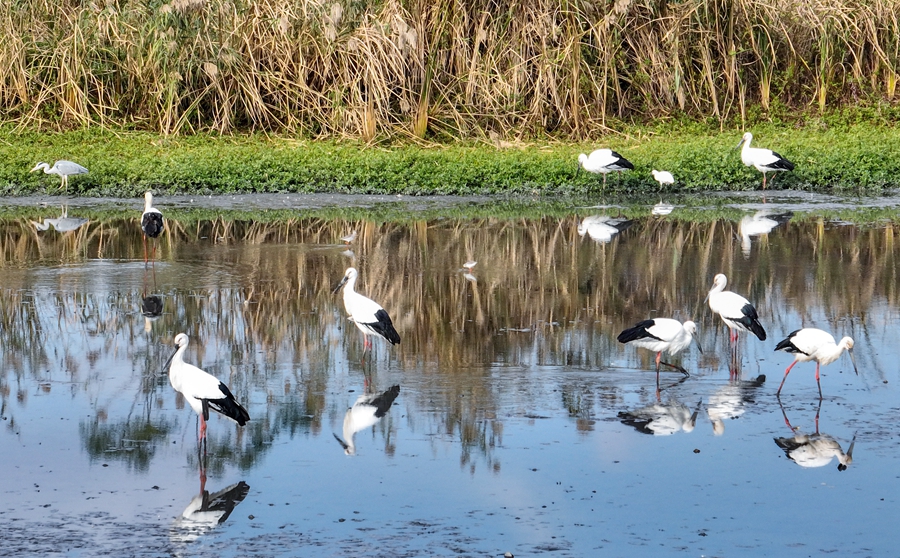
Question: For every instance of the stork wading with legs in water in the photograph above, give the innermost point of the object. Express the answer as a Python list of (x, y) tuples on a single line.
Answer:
[(368, 315), (151, 222), (814, 344), (62, 168), (763, 160), (662, 334), (202, 390), (735, 310)]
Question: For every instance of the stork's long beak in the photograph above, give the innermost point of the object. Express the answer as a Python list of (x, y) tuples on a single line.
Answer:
[(339, 285), (165, 369), (699, 348), (343, 444), (740, 144), (853, 360)]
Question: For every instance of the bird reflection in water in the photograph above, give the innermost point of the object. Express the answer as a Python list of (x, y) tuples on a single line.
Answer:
[(814, 450), (62, 224), (207, 510), (729, 401), (366, 412), (601, 228), (662, 419), (760, 223)]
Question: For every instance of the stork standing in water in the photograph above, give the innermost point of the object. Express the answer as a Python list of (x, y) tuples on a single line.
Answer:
[(814, 344), (763, 160), (202, 390), (735, 310), (62, 168), (603, 161), (151, 222), (368, 315), (661, 334)]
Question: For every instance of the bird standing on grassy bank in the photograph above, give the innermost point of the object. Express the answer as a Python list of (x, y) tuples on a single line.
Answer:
[(603, 161), (663, 177), (62, 168), (764, 160), (368, 315)]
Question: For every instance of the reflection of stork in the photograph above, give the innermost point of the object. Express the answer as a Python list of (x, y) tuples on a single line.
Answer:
[(602, 228), (366, 412), (202, 390), (208, 510), (63, 223), (368, 315), (814, 450), (760, 223), (728, 402), (662, 419)]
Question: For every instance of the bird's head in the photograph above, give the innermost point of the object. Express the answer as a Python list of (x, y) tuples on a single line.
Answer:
[(847, 343), (40, 166), (181, 340), (348, 275), (691, 328), (747, 137)]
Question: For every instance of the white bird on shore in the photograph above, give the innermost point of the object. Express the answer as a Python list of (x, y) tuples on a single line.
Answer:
[(366, 412), (202, 390), (763, 160), (735, 310), (661, 334), (62, 168), (814, 344), (603, 161), (663, 177), (349, 238), (368, 315)]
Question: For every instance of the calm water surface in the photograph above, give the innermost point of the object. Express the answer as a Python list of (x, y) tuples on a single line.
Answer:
[(521, 425)]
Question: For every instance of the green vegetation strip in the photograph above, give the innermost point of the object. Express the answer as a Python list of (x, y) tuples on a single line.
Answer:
[(850, 158)]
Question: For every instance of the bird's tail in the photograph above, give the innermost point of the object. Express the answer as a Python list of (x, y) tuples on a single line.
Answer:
[(757, 329)]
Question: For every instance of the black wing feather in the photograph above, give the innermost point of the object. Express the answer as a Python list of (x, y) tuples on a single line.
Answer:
[(385, 327), (787, 345), (152, 224), (227, 406), (750, 320), (383, 402), (639, 331)]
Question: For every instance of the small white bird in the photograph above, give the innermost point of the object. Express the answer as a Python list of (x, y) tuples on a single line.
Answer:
[(151, 222), (603, 161), (763, 160), (202, 390), (661, 334), (62, 168), (735, 310), (663, 177), (349, 238), (602, 228), (368, 315), (814, 344), (366, 412), (469, 265)]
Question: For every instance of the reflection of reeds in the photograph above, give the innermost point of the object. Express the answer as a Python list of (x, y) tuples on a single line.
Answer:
[(256, 299)]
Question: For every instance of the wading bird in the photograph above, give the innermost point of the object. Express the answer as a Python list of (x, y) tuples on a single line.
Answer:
[(64, 169), (349, 238), (151, 222), (367, 314), (202, 390), (603, 161), (763, 160), (663, 177), (366, 412), (735, 310), (469, 265), (661, 334), (814, 344)]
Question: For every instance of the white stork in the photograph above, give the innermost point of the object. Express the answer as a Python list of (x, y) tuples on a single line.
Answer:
[(661, 334), (763, 160), (735, 310), (814, 344), (368, 315), (603, 161)]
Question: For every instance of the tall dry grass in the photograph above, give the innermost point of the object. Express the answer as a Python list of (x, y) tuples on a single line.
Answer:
[(447, 68)]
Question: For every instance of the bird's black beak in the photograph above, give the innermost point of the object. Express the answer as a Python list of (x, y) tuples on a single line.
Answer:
[(699, 348), (341, 442), (165, 369), (339, 285), (853, 360), (740, 144)]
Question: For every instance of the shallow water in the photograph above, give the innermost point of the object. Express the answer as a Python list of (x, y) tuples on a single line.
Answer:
[(521, 424)]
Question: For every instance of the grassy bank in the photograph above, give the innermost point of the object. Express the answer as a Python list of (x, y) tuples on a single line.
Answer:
[(829, 157)]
